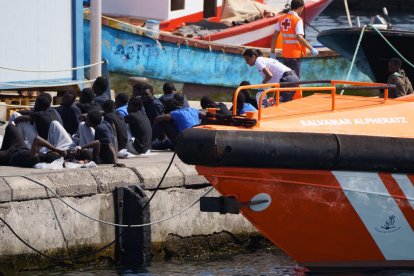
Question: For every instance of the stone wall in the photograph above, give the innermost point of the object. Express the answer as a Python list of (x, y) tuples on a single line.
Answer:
[(48, 225)]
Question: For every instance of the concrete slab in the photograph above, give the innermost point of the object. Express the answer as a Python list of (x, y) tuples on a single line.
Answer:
[(151, 175), (25, 189), (79, 182), (191, 176), (107, 178), (5, 191)]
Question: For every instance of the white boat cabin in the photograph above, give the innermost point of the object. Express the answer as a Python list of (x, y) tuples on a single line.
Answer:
[(172, 13)]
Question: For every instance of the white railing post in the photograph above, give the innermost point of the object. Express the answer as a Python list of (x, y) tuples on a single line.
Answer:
[(96, 37)]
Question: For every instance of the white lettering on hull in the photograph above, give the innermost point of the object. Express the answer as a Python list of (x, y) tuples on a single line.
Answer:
[(355, 121)]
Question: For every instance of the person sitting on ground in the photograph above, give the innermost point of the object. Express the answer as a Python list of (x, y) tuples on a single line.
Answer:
[(99, 87), (140, 127), (101, 130), (87, 101), (113, 118), (242, 106), (41, 116), (207, 102), (14, 151), (176, 121), (69, 112), (153, 106), (169, 91), (399, 79), (121, 104), (247, 94)]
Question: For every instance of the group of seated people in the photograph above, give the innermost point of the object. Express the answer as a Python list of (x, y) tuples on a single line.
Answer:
[(96, 128)]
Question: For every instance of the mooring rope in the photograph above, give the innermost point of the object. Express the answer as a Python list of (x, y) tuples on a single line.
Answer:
[(51, 71), (359, 44), (392, 47), (110, 223), (45, 84), (355, 54)]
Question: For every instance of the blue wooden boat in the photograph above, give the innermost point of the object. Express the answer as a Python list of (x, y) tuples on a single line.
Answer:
[(160, 55)]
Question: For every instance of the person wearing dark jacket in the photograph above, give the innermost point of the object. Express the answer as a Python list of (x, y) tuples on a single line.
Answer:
[(140, 126), (112, 117), (69, 112), (166, 99), (99, 87), (87, 101), (153, 106)]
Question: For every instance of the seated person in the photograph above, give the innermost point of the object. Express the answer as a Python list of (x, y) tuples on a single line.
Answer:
[(87, 101), (69, 112), (39, 122), (242, 106), (94, 128), (121, 104), (247, 94), (14, 151), (153, 106), (140, 127), (399, 79), (176, 121), (99, 87), (169, 91), (112, 117), (207, 102)]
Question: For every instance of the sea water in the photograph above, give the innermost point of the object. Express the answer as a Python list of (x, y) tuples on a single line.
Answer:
[(260, 262)]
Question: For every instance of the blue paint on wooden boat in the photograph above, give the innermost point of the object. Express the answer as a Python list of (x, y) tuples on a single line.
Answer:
[(139, 55)]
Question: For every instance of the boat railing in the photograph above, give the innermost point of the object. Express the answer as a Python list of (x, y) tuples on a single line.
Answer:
[(278, 88)]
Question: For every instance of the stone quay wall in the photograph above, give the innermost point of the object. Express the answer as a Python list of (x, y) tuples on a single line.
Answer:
[(39, 218)]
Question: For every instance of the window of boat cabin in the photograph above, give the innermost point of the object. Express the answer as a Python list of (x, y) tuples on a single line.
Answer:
[(177, 5), (210, 8)]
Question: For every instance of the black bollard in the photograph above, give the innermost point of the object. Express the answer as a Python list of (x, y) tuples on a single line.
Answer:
[(133, 244)]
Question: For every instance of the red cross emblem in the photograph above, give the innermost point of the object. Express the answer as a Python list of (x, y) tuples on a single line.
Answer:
[(286, 24)]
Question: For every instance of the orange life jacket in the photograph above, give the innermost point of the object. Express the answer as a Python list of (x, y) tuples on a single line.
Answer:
[(291, 47)]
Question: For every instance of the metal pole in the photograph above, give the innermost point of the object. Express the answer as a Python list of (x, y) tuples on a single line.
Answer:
[(96, 37), (348, 15)]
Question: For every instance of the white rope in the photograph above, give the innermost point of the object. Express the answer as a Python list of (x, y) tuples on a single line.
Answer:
[(354, 57), (49, 84), (392, 47), (51, 71), (115, 224)]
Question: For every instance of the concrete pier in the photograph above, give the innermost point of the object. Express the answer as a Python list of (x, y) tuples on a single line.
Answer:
[(39, 218)]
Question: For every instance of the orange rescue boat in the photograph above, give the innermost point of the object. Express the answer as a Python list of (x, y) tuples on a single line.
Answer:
[(328, 178)]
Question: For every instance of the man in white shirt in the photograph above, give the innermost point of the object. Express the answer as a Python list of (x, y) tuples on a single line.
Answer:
[(272, 71)]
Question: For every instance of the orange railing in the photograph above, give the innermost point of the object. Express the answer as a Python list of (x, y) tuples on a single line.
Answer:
[(332, 88)]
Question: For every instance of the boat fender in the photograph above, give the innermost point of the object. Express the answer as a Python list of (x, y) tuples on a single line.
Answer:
[(268, 149)]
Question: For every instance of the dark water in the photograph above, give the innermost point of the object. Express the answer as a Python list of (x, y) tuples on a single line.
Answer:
[(260, 262), (338, 19)]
